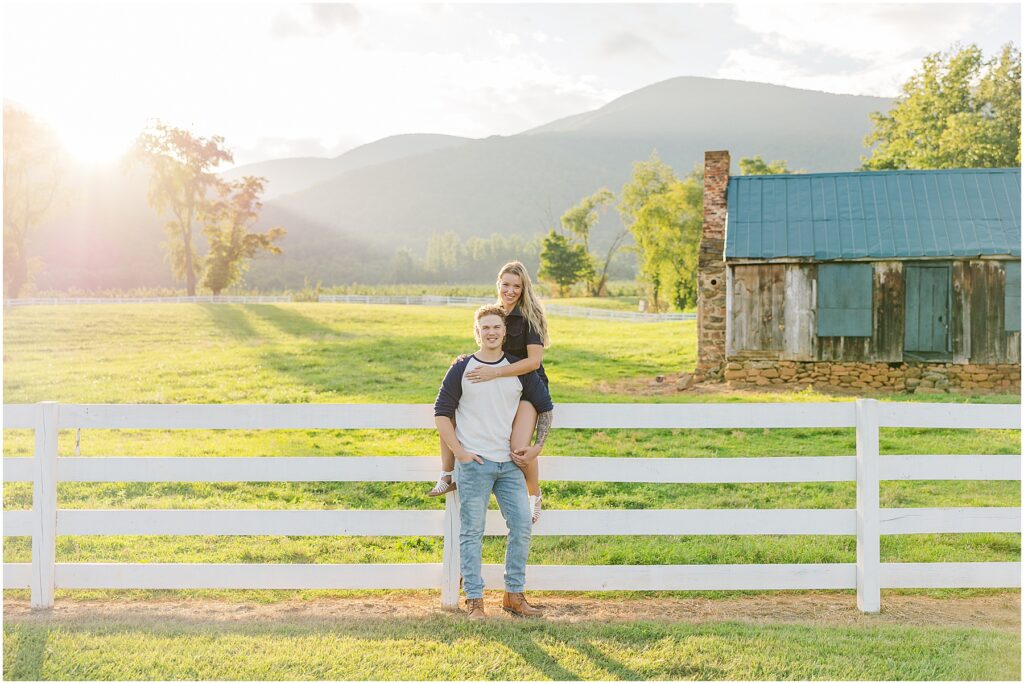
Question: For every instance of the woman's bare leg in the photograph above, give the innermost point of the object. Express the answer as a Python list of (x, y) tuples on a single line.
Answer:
[(447, 470), (447, 458), (523, 428)]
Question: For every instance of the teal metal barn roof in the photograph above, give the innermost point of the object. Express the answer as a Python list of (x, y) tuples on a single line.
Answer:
[(886, 214)]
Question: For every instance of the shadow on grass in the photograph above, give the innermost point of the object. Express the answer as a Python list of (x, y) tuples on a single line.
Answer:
[(386, 368), (230, 319), (607, 663), (411, 367), (292, 322)]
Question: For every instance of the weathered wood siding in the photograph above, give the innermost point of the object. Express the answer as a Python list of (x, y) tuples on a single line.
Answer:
[(772, 315), (979, 296), (758, 317), (800, 320)]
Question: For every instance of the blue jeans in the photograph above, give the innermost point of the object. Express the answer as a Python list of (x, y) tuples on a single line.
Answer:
[(476, 482)]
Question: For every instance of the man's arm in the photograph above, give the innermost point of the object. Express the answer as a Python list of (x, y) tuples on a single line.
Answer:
[(448, 397), (448, 436)]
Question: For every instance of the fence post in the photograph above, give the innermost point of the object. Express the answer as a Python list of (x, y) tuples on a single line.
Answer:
[(44, 505), (450, 565), (869, 567)]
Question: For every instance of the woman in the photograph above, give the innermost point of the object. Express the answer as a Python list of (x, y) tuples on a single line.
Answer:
[(525, 338)]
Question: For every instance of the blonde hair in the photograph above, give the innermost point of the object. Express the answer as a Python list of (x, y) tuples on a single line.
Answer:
[(531, 307), (486, 310)]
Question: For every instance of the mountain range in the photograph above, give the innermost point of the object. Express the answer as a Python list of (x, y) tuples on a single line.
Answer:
[(348, 215)]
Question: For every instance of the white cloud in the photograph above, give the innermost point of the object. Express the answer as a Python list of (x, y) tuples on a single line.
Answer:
[(881, 79), (314, 20), (540, 36), (504, 39), (861, 31), (848, 48), (623, 43)]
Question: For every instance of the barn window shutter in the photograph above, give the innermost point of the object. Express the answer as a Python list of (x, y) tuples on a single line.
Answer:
[(1011, 297), (844, 300)]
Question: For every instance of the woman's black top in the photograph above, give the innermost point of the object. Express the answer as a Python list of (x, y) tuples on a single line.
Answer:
[(518, 334)]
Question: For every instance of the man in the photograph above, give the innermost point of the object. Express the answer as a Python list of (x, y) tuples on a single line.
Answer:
[(485, 461)]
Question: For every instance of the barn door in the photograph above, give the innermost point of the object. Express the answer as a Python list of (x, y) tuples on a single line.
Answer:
[(927, 312)]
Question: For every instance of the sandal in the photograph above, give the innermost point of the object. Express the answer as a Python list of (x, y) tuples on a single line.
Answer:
[(443, 486), (535, 507)]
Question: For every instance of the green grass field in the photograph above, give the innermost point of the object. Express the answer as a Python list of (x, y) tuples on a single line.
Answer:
[(446, 648), (298, 353)]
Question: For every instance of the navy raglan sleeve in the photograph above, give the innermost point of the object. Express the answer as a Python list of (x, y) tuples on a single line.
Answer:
[(536, 392), (450, 393)]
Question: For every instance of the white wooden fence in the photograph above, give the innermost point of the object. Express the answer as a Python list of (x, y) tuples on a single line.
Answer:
[(419, 300), (198, 299), (867, 521), (553, 309)]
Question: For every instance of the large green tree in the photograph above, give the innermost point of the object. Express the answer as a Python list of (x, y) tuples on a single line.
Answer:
[(34, 179), (579, 221), (226, 224), (183, 185), (958, 110), (564, 263), (665, 215)]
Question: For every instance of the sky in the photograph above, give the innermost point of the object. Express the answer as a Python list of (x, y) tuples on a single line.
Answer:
[(286, 80)]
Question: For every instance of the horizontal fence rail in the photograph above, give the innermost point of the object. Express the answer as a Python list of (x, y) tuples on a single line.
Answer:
[(556, 468), (557, 523), (416, 300), (209, 299), (554, 309), (421, 416), (868, 521)]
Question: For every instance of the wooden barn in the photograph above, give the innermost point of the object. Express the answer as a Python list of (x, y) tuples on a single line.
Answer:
[(891, 279)]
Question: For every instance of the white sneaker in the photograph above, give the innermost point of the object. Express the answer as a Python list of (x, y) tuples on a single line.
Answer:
[(535, 507)]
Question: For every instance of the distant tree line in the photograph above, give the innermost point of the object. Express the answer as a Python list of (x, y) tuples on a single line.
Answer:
[(450, 259)]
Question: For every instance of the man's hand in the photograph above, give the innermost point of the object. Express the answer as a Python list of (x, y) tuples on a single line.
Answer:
[(522, 457), (464, 456)]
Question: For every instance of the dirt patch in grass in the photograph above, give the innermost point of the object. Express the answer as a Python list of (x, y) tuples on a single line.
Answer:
[(1000, 611), (669, 385)]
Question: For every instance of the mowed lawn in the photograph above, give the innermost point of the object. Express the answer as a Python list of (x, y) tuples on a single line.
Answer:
[(299, 353), (448, 648)]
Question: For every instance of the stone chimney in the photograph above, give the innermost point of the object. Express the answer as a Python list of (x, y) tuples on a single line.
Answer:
[(711, 269)]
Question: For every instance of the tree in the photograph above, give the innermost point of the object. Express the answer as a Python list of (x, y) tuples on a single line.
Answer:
[(444, 254), (580, 220), (564, 263), (755, 166), (182, 185), (650, 178), (665, 216), (957, 111), (226, 226), (34, 172)]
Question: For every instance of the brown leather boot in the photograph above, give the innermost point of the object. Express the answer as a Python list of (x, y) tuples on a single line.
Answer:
[(475, 609), (517, 605)]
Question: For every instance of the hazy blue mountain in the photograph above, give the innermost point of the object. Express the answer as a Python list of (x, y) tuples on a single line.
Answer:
[(297, 173), (521, 184), (346, 216)]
